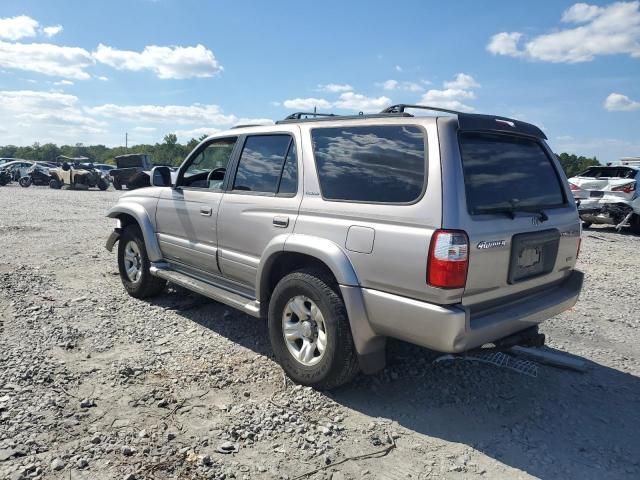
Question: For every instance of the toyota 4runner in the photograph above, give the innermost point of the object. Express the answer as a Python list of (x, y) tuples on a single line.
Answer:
[(451, 232)]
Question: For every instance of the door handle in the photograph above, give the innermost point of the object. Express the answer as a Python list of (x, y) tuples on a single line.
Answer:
[(282, 222), (206, 211)]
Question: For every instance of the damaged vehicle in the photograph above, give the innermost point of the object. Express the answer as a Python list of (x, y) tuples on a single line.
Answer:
[(132, 171), (5, 178), (73, 175), (608, 195), (38, 174)]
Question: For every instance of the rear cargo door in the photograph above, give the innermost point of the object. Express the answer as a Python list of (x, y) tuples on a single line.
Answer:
[(522, 223)]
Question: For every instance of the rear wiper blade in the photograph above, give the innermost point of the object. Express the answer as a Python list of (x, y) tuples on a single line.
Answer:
[(511, 211)]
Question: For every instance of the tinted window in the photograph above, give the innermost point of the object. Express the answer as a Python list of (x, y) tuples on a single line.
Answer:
[(289, 179), (502, 172), (261, 163), (370, 164)]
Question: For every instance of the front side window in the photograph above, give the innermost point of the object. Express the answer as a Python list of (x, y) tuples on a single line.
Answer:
[(208, 168), (261, 164), (374, 164)]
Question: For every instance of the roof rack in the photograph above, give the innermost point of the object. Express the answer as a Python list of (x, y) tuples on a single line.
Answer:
[(299, 115), (401, 106), (332, 117)]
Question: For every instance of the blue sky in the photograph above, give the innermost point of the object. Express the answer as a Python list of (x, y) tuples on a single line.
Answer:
[(79, 71)]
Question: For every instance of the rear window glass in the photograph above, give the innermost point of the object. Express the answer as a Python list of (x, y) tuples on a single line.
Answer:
[(609, 172), (375, 164), (507, 172)]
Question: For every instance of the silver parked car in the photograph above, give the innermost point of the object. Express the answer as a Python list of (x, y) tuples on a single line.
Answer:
[(451, 232)]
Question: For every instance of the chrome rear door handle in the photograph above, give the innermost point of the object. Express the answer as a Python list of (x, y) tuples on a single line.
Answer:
[(206, 211), (281, 222)]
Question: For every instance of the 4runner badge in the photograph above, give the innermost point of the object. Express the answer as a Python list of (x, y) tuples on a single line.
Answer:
[(491, 244)]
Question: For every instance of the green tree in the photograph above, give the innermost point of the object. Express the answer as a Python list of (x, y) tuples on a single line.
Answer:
[(573, 164)]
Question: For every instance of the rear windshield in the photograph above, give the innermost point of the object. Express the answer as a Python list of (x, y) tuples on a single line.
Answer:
[(507, 172), (609, 172)]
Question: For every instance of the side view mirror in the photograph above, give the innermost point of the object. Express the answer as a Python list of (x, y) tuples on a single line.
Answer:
[(161, 176)]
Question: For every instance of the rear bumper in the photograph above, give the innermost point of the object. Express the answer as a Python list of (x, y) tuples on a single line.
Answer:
[(454, 328)]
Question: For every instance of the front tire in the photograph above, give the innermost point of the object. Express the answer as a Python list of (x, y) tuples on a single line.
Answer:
[(309, 331), (25, 182), (55, 184), (134, 264), (586, 224), (116, 183), (103, 184)]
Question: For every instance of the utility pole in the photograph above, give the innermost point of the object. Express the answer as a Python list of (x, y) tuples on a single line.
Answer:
[(126, 142)]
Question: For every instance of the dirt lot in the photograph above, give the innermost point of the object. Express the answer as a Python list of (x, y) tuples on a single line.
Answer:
[(95, 384)]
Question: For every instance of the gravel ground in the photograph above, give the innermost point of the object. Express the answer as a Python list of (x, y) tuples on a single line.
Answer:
[(95, 384)]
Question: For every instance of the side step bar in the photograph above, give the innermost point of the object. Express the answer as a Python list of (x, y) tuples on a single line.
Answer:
[(208, 290)]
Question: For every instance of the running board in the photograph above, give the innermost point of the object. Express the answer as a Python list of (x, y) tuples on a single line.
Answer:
[(250, 307)]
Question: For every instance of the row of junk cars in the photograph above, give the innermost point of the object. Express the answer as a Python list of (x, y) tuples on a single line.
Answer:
[(78, 173)]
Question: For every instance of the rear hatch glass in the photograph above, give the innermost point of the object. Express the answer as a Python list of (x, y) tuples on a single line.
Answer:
[(507, 172)]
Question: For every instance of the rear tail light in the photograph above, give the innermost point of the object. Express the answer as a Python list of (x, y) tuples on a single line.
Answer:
[(626, 188), (448, 259), (573, 187)]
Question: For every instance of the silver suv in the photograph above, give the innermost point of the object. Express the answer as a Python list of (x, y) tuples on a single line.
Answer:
[(451, 232)]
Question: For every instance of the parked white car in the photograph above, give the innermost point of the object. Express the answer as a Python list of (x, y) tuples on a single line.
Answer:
[(608, 195)]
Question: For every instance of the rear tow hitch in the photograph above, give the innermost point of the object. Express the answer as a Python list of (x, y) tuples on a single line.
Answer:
[(521, 353)]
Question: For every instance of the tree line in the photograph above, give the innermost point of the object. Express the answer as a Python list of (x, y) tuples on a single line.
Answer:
[(170, 152)]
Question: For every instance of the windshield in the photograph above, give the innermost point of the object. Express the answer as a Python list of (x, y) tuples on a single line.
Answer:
[(507, 172)]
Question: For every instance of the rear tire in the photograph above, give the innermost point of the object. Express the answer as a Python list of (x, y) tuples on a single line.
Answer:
[(318, 350), (103, 184), (134, 264), (55, 184), (116, 184)]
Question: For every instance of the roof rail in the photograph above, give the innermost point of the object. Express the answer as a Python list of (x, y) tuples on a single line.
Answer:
[(401, 106), (299, 115)]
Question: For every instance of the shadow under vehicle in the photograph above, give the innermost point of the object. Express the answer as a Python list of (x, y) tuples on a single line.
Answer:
[(132, 171), (73, 175)]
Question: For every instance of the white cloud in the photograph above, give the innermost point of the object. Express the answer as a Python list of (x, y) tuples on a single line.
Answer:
[(46, 58), (45, 117), (103, 78), (462, 82), (610, 30), (63, 82), (306, 104), (361, 103), (169, 114), (398, 68), (15, 28), (616, 102), (505, 44), (165, 62), (453, 95), (335, 87), (581, 13), (186, 135), (52, 30), (396, 85), (390, 84), (144, 129)]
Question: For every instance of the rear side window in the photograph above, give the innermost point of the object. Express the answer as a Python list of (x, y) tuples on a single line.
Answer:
[(375, 164), (262, 161), (502, 172)]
